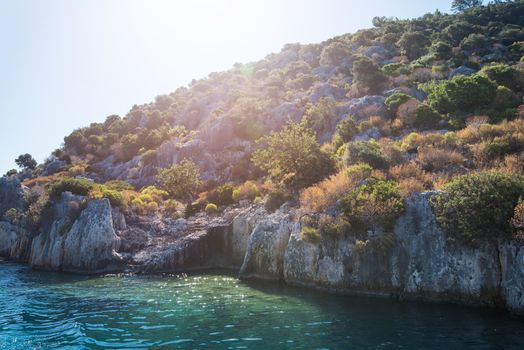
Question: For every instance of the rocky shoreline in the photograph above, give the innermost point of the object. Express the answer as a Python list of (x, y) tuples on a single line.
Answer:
[(413, 262)]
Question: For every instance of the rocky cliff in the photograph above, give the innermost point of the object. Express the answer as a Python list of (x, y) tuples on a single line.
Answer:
[(415, 261)]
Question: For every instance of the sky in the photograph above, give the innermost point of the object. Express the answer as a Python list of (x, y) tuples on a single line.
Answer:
[(65, 64)]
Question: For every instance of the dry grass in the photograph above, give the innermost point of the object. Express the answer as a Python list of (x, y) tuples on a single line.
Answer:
[(43, 180)]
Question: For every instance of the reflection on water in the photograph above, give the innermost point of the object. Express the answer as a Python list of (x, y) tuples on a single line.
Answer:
[(216, 311)]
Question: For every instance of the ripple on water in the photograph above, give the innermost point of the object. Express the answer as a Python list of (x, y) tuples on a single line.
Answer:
[(216, 311)]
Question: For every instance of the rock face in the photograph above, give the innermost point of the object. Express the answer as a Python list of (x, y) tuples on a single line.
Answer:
[(415, 261), (88, 246), (266, 247), (11, 194), (8, 234)]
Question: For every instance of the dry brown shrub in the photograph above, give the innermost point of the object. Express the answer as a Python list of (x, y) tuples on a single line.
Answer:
[(438, 159), (407, 170), (411, 185), (391, 150), (376, 121), (324, 194), (511, 164)]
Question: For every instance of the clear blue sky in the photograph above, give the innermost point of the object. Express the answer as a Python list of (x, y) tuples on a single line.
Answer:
[(65, 64)]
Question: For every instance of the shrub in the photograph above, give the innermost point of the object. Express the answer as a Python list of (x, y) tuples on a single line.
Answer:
[(324, 194), (293, 157), (374, 205), (366, 152), (211, 209), (101, 191), (119, 185), (476, 207), (148, 157), (310, 234), (442, 50), (331, 227), (248, 190), (413, 44), (395, 69), (181, 180), (475, 44), (437, 159), (503, 75), (79, 187), (426, 117), (347, 129), (11, 215), (517, 222), (11, 172), (222, 195), (368, 77), (274, 200), (395, 100), (464, 93)]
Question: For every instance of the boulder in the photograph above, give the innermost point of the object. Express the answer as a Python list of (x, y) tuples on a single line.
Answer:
[(462, 70)]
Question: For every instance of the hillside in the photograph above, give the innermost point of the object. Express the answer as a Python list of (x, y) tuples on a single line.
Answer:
[(344, 130)]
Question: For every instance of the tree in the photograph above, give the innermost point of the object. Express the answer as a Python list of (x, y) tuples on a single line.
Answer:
[(368, 77), (181, 180), (293, 156), (26, 161), (463, 5)]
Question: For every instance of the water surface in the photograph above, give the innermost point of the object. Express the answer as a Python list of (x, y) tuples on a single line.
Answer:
[(41, 310)]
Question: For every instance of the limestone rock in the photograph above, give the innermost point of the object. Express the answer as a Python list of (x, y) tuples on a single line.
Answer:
[(266, 248), (8, 234)]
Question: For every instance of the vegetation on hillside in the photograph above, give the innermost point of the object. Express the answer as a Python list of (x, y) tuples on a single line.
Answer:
[(347, 129)]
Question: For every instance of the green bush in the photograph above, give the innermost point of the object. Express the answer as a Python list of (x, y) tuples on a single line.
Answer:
[(394, 101), (292, 156), (11, 215), (222, 195), (181, 180), (374, 205), (115, 197), (79, 187), (368, 77), (462, 93), (211, 209), (119, 185), (395, 69), (367, 152), (426, 117), (310, 234), (347, 129), (478, 206), (503, 75), (413, 44), (442, 50)]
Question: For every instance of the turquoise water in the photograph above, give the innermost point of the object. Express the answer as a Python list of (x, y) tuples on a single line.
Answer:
[(216, 311)]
